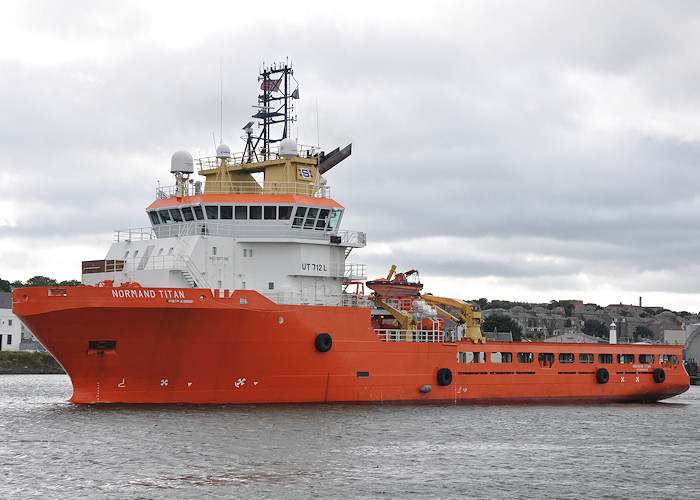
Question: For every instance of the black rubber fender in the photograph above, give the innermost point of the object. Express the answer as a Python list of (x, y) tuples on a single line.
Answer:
[(659, 375), (324, 342), (444, 376), (602, 375)]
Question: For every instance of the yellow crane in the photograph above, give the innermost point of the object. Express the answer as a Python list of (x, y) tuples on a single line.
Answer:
[(467, 315), (405, 319)]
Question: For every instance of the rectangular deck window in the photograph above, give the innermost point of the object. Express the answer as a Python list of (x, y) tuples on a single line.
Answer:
[(526, 357), (585, 357), (646, 358), (625, 359), (471, 357), (605, 359), (668, 358), (501, 357), (566, 357), (546, 359)]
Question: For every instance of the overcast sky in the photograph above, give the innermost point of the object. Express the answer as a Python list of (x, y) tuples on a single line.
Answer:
[(519, 150)]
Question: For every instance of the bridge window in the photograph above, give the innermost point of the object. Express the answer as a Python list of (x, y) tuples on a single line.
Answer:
[(285, 212), (155, 220), (165, 217), (212, 211), (310, 218), (176, 215), (334, 219), (187, 213), (299, 217), (605, 359), (585, 357), (256, 212), (241, 212), (322, 219), (226, 212), (270, 212), (198, 212)]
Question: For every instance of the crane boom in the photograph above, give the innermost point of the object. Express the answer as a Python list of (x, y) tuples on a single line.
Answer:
[(468, 315)]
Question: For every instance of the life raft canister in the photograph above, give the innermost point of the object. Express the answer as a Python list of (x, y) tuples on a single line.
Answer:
[(324, 342)]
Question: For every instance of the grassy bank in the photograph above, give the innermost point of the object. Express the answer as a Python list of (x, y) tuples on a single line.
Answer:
[(28, 362)]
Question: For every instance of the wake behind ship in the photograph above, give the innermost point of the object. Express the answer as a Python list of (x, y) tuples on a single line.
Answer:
[(241, 291)]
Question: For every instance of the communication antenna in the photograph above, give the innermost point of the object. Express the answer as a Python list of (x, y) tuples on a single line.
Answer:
[(318, 132), (221, 110)]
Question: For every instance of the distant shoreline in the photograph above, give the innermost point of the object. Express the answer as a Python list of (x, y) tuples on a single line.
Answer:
[(28, 363)]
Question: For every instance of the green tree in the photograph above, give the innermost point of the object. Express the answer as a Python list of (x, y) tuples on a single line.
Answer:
[(595, 328), (502, 323), (5, 286), (568, 308), (69, 283), (643, 332), (41, 281), (482, 302)]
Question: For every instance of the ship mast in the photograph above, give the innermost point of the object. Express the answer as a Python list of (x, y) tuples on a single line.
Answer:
[(274, 106)]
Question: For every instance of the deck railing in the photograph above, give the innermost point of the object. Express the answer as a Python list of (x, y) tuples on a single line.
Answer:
[(246, 187), (394, 335), (262, 231)]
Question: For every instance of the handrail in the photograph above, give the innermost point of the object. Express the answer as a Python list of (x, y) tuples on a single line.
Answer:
[(238, 230), (395, 335), (246, 187)]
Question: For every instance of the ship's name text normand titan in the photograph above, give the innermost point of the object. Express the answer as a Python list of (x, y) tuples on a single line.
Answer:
[(140, 293)]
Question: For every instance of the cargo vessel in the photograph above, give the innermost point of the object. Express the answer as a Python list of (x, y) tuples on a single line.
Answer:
[(241, 291)]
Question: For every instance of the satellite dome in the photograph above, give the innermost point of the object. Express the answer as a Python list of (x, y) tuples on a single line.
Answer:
[(223, 151), (182, 162), (288, 148)]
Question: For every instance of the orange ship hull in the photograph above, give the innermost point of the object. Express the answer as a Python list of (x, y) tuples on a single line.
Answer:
[(165, 345)]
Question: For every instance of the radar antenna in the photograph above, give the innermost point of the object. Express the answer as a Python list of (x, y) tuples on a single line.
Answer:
[(275, 106)]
